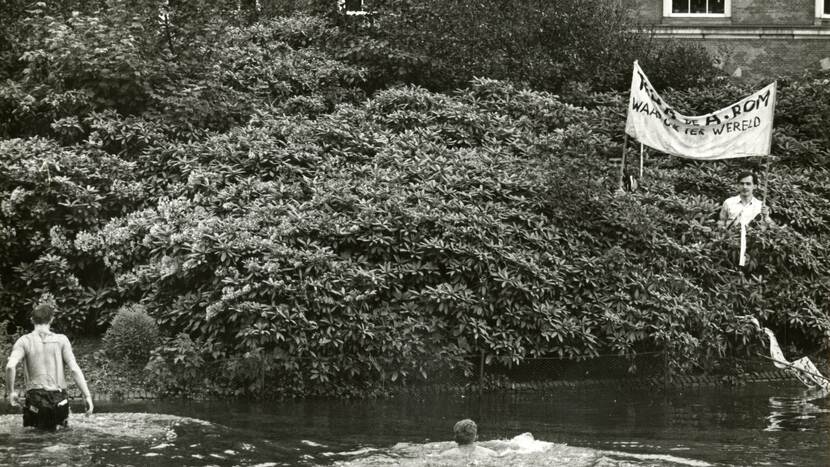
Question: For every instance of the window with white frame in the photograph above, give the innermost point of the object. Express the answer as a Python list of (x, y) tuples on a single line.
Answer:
[(351, 7), (697, 8), (823, 9)]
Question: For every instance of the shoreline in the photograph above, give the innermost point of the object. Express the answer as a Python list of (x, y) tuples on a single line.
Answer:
[(679, 383), (113, 381)]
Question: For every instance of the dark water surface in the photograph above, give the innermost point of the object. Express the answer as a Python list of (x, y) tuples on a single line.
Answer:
[(755, 425)]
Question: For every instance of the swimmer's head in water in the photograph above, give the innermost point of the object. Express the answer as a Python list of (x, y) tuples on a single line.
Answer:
[(43, 313), (465, 431)]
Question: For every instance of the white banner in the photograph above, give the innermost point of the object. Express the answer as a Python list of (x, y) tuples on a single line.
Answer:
[(742, 129)]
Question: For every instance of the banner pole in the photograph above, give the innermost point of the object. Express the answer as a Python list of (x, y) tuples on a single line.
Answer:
[(769, 143), (622, 162), (641, 161), (766, 181)]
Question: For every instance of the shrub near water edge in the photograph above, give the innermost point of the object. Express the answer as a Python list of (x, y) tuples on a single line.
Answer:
[(300, 241), (132, 335)]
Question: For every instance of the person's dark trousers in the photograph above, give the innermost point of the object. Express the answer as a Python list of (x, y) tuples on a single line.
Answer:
[(46, 409)]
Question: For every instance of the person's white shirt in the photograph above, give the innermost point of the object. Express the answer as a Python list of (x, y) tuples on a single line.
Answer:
[(736, 212)]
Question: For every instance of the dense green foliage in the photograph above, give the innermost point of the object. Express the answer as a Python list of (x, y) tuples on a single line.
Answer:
[(132, 335), (76, 126), (555, 46), (292, 236)]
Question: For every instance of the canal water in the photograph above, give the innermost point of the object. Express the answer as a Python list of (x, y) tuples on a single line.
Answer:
[(759, 424)]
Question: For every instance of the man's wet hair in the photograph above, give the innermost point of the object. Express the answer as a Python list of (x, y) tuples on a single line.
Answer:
[(43, 313), (465, 431), (747, 173)]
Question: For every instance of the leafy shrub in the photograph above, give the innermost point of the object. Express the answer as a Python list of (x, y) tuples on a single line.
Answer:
[(107, 61), (548, 45), (176, 367), (132, 335), (82, 145), (7, 340), (440, 226), (49, 194), (158, 72)]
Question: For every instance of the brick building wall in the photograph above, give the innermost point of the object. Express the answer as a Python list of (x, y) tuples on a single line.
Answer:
[(760, 39), (773, 12), (745, 12), (648, 12), (767, 58)]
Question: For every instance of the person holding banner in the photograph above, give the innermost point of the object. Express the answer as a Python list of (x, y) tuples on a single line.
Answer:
[(738, 211), (743, 129), (744, 207)]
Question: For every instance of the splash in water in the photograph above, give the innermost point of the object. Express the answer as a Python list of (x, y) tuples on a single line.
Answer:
[(522, 450), (86, 437)]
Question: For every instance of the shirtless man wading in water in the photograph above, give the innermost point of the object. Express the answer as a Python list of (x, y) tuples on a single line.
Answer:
[(44, 354)]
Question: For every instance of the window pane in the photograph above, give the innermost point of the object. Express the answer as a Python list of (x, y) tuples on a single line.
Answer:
[(354, 5), (716, 6), (697, 6), (680, 6), (827, 7)]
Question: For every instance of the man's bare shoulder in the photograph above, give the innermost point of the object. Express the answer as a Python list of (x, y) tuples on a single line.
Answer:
[(60, 339), (19, 351)]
